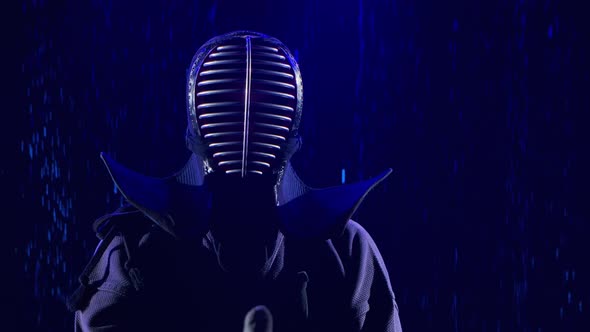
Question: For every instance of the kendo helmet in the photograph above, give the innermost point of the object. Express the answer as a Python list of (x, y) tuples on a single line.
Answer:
[(244, 103)]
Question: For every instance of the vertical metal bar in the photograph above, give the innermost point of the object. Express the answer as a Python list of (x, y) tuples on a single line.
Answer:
[(247, 105)]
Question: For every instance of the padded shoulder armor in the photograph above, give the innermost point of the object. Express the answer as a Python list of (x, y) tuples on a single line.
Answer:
[(126, 223)]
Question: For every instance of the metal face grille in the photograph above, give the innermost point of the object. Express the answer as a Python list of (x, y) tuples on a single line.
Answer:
[(245, 105)]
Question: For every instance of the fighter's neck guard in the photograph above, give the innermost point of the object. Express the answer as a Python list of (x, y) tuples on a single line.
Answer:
[(180, 204)]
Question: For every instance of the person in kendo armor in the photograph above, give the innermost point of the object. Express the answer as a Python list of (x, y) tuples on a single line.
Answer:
[(234, 240)]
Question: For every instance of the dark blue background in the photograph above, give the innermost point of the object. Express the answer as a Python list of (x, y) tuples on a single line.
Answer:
[(480, 107)]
